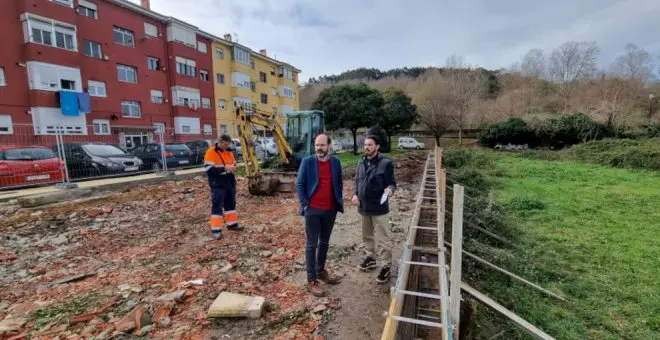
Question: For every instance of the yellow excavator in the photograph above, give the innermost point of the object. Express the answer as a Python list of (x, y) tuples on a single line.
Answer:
[(302, 127)]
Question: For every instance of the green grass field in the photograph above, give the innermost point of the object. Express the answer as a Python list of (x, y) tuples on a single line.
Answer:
[(593, 236)]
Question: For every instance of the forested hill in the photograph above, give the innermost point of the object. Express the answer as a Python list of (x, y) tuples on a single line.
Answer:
[(364, 73)]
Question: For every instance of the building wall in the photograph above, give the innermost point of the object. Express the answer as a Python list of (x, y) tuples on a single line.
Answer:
[(224, 117)]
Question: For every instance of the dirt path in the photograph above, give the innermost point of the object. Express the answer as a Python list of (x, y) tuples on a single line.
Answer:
[(363, 300)]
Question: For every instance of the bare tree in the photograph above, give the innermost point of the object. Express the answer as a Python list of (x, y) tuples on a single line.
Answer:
[(466, 87), (534, 68), (571, 63), (635, 63), (430, 95), (617, 98)]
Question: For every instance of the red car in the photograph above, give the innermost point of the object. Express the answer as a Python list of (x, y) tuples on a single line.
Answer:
[(29, 165)]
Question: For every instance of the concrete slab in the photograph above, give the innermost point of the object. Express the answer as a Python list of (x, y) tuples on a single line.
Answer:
[(236, 305)]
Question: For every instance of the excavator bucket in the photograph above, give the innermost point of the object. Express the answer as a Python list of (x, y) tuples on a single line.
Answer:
[(269, 183)]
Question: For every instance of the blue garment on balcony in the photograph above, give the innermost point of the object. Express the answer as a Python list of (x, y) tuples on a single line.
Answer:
[(84, 102), (69, 103)]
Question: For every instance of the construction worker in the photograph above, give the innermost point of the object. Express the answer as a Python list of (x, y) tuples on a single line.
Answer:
[(320, 191), (374, 185), (220, 164)]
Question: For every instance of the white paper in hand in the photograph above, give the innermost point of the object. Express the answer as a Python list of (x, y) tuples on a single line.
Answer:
[(383, 198)]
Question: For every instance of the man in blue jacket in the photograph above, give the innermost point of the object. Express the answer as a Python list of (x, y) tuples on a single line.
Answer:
[(320, 189)]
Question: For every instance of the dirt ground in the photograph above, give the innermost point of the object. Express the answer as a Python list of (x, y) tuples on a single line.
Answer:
[(121, 265)]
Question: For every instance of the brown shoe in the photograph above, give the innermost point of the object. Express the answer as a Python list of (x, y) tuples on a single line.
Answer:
[(328, 277), (315, 288)]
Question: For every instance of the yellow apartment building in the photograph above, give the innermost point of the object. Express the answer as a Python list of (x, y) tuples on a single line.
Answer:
[(254, 80)]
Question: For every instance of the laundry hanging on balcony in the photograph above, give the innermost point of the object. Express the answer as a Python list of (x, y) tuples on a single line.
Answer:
[(84, 102), (69, 103)]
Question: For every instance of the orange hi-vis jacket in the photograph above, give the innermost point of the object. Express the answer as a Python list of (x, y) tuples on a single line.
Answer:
[(214, 164)]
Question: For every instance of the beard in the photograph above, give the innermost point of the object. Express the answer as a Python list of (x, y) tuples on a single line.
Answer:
[(321, 153)]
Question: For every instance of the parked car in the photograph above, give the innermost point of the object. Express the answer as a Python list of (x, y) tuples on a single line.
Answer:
[(335, 146), (410, 143), (268, 144), (29, 165), (198, 148), (176, 155), (237, 149), (97, 159)]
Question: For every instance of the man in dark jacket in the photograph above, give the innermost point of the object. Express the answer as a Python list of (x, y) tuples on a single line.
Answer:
[(374, 185), (320, 192), (220, 165)]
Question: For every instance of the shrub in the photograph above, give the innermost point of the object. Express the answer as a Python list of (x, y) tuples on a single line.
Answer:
[(578, 128), (622, 153), (653, 131), (513, 130)]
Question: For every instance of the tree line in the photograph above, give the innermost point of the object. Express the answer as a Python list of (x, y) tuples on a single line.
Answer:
[(566, 80)]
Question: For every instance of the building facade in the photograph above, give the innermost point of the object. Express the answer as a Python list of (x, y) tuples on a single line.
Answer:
[(116, 71)]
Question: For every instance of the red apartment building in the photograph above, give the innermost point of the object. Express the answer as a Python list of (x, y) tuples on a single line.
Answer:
[(143, 71)]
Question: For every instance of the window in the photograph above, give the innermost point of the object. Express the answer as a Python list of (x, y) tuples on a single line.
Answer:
[(240, 79), (92, 49), (222, 104), (157, 96), (201, 47), (87, 9), (287, 73), (273, 91), (246, 103), (123, 36), (126, 73), (272, 70), (220, 78), (186, 125), (153, 63), (204, 75), (64, 2), (206, 103), (185, 96), (286, 91), (101, 126), (182, 34), (66, 84), (96, 88), (185, 67), (253, 86), (50, 120), (274, 110), (130, 109), (6, 125), (150, 30), (3, 81), (49, 32), (252, 64), (262, 77), (223, 128), (264, 98), (219, 53), (241, 55), (51, 77), (208, 129), (159, 127)]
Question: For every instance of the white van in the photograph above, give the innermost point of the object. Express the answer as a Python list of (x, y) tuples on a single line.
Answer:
[(410, 143)]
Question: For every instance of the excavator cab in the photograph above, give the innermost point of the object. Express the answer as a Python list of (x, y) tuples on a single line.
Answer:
[(302, 127)]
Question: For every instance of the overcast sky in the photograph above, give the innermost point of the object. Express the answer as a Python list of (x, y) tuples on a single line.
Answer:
[(330, 36)]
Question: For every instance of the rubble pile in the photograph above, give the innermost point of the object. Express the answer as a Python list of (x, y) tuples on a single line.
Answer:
[(140, 262)]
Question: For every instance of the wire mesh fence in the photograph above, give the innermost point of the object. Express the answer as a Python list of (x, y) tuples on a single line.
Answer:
[(61, 155)]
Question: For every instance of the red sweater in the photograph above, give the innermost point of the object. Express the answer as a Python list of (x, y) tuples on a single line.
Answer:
[(323, 198)]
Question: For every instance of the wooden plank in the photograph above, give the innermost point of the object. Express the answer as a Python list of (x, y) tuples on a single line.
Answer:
[(522, 323), (442, 273), (456, 259), (502, 270), (417, 322)]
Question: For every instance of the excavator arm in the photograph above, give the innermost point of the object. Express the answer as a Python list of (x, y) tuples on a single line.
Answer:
[(261, 183)]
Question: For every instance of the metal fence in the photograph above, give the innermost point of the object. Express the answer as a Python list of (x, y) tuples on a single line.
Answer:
[(62, 155)]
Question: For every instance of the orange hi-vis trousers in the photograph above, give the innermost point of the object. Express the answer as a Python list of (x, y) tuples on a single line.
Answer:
[(223, 208)]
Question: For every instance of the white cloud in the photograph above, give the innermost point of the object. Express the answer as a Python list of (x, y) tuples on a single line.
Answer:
[(330, 36)]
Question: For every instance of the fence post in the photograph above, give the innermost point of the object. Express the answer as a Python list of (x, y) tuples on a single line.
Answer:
[(456, 258), (59, 141), (161, 140)]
